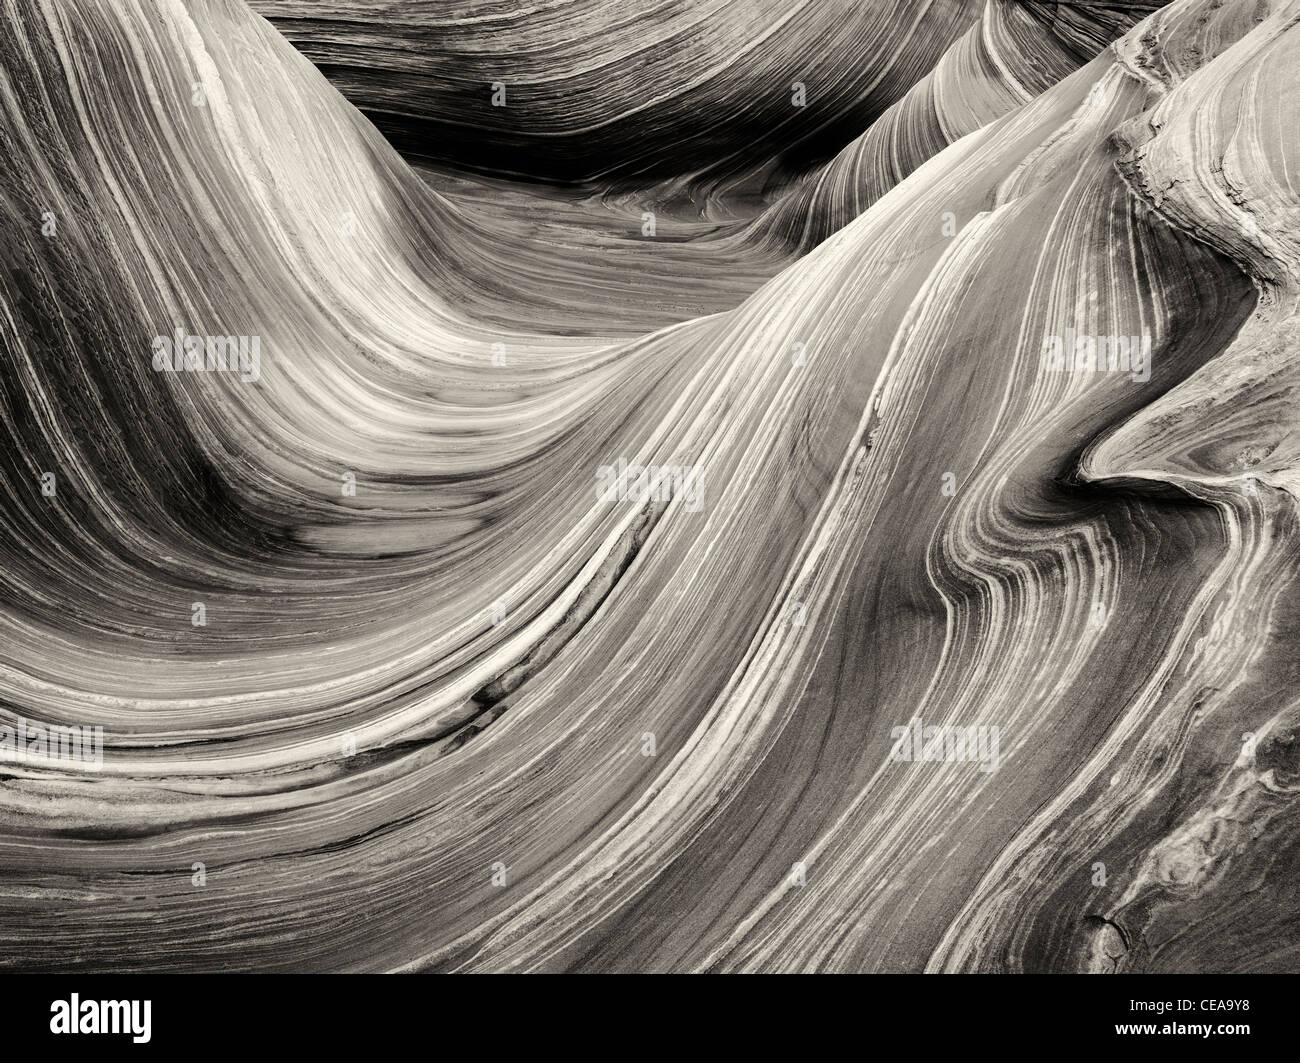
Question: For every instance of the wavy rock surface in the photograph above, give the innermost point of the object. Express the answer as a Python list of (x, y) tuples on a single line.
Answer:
[(595, 91), (1015, 51), (448, 707)]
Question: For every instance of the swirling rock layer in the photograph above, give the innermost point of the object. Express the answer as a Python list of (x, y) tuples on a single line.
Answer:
[(395, 673)]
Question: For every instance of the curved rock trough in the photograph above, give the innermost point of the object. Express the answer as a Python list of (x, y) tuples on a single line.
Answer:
[(729, 485)]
